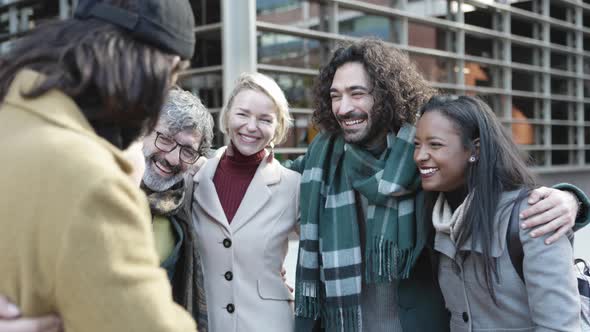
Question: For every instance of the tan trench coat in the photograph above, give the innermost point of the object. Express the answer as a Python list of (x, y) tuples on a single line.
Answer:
[(75, 231)]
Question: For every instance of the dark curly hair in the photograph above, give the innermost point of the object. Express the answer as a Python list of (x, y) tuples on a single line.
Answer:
[(399, 89)]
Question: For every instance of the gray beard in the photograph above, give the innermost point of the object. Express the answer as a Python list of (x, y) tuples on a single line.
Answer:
[(156, 183)]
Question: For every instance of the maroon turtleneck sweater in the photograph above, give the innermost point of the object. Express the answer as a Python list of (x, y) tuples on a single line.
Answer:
[(232, 178)]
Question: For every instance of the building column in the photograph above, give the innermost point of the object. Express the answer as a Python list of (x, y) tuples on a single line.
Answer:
[(460, 47), (238, 37), (544, 7), (579, 85)]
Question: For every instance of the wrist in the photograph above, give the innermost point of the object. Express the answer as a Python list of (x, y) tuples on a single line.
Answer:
[(578, 204)]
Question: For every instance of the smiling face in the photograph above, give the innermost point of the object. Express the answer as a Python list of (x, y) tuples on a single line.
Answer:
[(165, 169), (251, 121), (439, 153), (352, 105)]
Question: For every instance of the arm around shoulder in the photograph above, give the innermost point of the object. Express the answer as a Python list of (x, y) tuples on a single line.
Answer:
[(297, 165)]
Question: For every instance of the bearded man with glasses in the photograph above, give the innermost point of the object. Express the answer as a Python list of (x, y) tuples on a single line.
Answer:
[(183, 134)]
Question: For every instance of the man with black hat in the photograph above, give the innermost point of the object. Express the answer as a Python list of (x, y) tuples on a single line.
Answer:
[(76, 235)]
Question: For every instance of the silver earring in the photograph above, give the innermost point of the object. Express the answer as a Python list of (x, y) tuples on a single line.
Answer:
[(472, 159)]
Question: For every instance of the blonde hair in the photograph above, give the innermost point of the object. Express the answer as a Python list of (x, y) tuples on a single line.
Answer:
[(268, 86)]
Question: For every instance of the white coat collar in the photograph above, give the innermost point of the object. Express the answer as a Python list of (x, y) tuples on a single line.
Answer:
[(256, 197), (444, 244)]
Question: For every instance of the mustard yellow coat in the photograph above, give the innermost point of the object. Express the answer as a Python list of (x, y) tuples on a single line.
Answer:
[(75, 231)]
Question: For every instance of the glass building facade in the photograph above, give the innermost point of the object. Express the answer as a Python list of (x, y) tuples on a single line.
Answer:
[(530, 60)]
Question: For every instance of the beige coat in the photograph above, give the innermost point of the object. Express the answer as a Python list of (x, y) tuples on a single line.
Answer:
[(252, 248), (76, 236)]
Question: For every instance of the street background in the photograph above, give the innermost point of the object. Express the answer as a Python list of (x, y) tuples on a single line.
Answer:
[(582, 244)]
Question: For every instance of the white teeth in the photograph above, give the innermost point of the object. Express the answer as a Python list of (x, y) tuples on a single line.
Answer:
[(428, 171), (248, 138), (353, 122), (162, 167)]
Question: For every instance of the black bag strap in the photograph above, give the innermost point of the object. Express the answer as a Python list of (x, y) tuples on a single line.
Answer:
[(585, 268), (513, 243), (583, 277)]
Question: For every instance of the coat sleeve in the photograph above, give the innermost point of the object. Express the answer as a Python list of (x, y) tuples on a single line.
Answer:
[(551, 283), (584, 209), (297, 210), (106, 268), (297, 165)]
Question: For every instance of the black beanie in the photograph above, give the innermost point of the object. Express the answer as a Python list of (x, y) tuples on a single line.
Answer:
[(165, 24)]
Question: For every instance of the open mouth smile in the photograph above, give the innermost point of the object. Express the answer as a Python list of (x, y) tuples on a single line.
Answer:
[(248, 138), (353, 122), (162, 168), (428, 172)]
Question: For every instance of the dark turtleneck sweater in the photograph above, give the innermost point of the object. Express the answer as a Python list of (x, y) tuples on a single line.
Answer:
[(232, 178)]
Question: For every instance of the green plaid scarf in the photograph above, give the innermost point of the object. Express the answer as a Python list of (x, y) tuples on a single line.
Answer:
[(330, 266)]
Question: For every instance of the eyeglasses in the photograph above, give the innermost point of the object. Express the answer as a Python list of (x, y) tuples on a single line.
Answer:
[(165, 143)]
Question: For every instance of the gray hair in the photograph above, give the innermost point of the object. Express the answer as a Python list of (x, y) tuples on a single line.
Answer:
[(184, 111)]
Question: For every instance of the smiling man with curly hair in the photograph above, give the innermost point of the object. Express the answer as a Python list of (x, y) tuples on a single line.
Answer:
[(362, 262)]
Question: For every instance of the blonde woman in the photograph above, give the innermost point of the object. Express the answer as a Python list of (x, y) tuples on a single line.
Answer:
[(245, 205)]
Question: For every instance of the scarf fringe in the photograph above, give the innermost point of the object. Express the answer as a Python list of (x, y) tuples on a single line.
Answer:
[(385, 262), (342, 319), (307, 300)]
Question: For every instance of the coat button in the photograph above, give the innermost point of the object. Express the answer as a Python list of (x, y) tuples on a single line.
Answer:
[(226, 242), (230, 308), (228, 276), (465, 317)]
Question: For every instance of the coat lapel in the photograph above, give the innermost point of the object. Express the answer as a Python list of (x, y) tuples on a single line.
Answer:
[(258, 193), (205, 194)]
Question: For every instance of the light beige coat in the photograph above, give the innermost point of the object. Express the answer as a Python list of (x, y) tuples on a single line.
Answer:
[(75, 233), (258, 235)]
